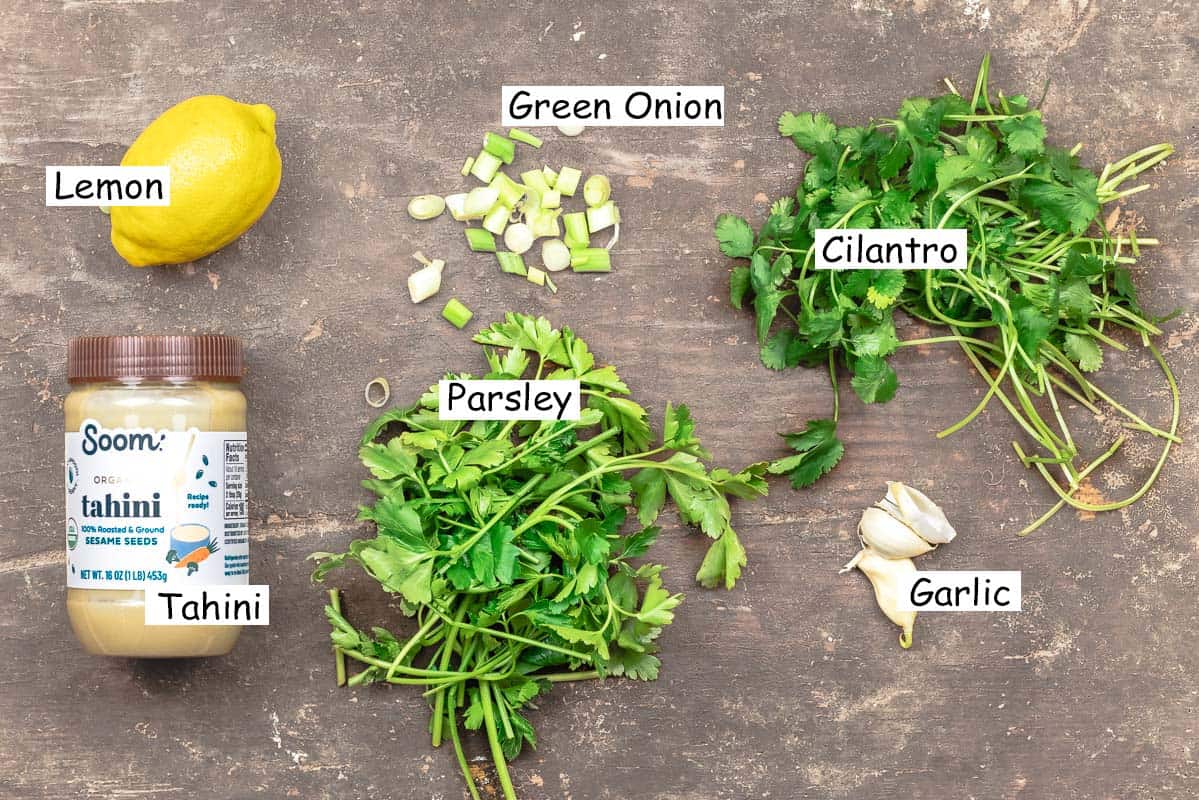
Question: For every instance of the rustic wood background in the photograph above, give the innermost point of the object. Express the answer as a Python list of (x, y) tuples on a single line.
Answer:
[(790, 686)]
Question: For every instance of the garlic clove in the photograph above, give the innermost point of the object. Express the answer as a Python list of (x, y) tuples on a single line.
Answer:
[(889, 537), (921, 514), (887, 576)]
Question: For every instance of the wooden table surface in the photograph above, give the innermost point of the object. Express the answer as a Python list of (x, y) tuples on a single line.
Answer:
[(790, 686)]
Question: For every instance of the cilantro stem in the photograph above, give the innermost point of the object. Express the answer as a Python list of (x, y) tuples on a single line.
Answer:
[(1111, 451), (832, 378)]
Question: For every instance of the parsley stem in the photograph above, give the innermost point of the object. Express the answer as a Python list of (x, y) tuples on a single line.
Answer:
[(339, 657), (567, 677), (452, 713), (411, 643), (512, 636), (592, 442), (447, 652), (458, 550), (497, 752)]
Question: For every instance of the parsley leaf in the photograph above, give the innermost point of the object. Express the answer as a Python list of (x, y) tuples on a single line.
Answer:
[(818, 451)]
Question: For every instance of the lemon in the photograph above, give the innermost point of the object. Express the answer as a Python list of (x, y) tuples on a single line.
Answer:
[(225, 171)]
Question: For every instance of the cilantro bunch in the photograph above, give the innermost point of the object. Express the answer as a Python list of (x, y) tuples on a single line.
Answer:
[(507, 543), (1047, 287)]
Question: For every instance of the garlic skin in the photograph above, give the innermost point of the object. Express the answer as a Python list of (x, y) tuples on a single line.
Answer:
[(889, 537), (922, 515), (886, 576)]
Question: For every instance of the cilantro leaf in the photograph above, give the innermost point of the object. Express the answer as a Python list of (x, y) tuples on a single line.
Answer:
[(1032, 325), (1024, 135), (922, 173), (874, 380), (1084, 351), (808, 131), (738, 286), (1065, 207), (735, 236)]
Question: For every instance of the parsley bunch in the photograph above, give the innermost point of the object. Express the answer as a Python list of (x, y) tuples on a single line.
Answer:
[(506, 542), (1045, 291)]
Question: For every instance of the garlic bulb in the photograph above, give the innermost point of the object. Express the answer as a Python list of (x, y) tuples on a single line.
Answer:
[(890, 537), (887, 575), (922, 515)]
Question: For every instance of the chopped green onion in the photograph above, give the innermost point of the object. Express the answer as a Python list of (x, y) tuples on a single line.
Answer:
[(510, 191), (518, 238), (375, 400), (456, 203), (555, 255), (480, 241), (426, 281), (479, 201), (591, 259), (457, 313), (596, 191), (512, 263), (536, 276), (570, 130), (568, 181), (535, 180), (576, 230), (486, 166), (497, 219), (551, 177), (499, 146), (467, 164), (524, 137), (426, 206), (549, 284), (551, 199), (543, 221), (602, 217)]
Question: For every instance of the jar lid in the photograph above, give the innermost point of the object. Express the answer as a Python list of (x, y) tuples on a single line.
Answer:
[(106, 358)]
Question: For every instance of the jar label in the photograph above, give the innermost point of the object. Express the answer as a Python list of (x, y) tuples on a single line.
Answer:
[(148, 507)]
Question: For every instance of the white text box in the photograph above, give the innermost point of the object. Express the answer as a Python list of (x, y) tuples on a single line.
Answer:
[(626, 106), (961, 590), (890, 248), (520, 400)]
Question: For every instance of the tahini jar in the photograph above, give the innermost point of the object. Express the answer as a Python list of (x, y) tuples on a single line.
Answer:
[(155, 486)]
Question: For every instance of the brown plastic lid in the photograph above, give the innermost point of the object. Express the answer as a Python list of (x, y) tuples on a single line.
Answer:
[(211, 357)]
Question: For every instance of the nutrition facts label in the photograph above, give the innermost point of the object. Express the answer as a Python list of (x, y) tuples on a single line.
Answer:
[(235, 479)]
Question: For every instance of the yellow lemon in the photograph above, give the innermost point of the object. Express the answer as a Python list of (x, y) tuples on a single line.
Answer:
[(225, 171)]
